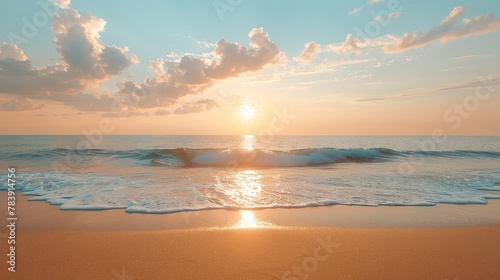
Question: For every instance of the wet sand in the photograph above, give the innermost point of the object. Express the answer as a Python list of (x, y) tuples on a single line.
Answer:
[(269, 244)]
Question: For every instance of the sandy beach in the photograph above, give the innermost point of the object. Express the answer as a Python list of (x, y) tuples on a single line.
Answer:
[(249, 140), (126, 248)]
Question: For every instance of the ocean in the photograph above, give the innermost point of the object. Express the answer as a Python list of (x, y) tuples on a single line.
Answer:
[(164, 174)]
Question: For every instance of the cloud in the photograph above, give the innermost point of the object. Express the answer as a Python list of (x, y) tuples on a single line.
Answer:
[(369, 2), (374, 99), (162, 112), (395, 15), (327, 67), (65, 115), (464, 57), (350, 45), (201, 105), (354, 45), (490, 81), (446, 31), (174, 79), (78, 42), (390, 16), (10, 51), (354, 11), (20, 104), (93, 102), (310, 51), (125, 114), (62, 4), (234, 59), (86, 61)]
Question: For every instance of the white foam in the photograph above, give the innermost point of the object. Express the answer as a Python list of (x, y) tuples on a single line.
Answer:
[(217, 188)]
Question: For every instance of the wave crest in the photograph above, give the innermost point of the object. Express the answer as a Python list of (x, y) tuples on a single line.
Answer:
[(270, 158)]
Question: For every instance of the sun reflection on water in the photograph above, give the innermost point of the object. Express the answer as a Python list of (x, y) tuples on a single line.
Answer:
[(248, 142), (249, 185)]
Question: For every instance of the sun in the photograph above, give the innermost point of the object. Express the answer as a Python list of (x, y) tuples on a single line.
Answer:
[(247, 110)]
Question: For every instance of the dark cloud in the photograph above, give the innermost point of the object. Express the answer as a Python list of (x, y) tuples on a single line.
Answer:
[(20, 104), (162, 112), (125, 114), (199, 106)]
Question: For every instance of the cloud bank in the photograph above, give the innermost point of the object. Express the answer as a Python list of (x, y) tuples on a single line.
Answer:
[(20, 104), (174, 79), (201, 105), (85, 62)]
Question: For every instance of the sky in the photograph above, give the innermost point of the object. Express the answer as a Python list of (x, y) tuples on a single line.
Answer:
[(230, 67)]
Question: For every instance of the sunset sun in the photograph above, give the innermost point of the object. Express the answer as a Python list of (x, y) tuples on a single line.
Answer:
[(247, 110)]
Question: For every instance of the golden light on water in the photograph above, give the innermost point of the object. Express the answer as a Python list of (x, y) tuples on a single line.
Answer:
[(246, 188), (249, 184), (248, 142), (249, 190)]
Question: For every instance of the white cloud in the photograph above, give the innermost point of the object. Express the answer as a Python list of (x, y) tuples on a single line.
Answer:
[(62, 4), (310, 51), (369, 2), (354, 11), (174, 79), (10, 51), (78, 42), (447, 30), (350, 45), (395, 15), (86, 61)]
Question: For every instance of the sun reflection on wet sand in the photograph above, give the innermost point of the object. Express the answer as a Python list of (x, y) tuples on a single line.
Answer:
[(248, 220)]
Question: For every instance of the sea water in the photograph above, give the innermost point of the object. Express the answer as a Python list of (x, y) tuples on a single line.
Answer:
[(162, 174)]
